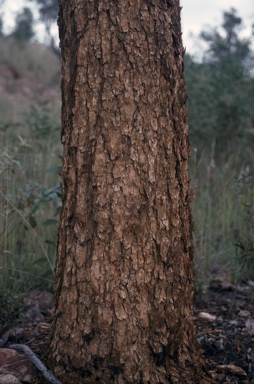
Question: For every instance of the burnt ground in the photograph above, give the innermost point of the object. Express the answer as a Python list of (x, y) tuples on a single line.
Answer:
[(224, 318)]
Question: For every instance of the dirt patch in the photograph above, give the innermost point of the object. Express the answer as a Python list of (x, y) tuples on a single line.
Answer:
[(224, 320)]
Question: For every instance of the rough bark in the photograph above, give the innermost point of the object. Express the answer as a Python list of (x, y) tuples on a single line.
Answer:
[(124, 273)]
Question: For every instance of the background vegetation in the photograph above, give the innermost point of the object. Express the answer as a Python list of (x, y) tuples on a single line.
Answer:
[(221, 121)]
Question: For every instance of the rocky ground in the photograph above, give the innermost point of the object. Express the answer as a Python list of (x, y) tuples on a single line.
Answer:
[(224, 318)]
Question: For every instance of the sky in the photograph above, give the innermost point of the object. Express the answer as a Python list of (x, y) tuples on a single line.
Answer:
[(196, 15)]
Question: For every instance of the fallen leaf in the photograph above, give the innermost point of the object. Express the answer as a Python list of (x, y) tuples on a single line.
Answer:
[(233, 369), (206, 316)]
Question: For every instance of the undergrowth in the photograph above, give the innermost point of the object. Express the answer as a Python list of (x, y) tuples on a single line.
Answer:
[(30, 197), (30, 200), (10, 306), (223, 219)]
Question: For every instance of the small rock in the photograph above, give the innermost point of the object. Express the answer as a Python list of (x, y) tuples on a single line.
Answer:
[(219, 344), (41, 299), (244, 313), (250, 326), (233, 322), (220, 285), (9, 379), (16, 364), (242, 289), (34, 313), (28, 379)]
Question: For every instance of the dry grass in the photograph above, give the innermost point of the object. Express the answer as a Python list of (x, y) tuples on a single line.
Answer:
[(223, 207)]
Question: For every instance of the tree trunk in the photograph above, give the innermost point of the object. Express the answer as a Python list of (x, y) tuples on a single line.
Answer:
[(124, 273)]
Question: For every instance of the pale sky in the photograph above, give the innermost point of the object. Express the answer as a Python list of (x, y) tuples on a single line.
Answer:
[(196, 15), (199, 14)]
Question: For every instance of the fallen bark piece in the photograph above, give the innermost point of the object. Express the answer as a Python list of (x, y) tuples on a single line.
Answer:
[(233, 369)]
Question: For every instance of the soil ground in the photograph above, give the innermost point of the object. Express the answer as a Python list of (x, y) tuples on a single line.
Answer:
[(224, 319)]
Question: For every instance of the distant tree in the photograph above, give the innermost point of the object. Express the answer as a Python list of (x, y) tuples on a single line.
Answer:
[(23, 30), (1, 18), (221, 88), (1, 25), (225, 43), (48, 10)]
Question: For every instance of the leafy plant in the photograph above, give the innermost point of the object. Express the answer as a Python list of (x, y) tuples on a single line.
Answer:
[(40, 122), (221, 90), (29, 208), (10, 306), (245, 242), (23, 31)]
